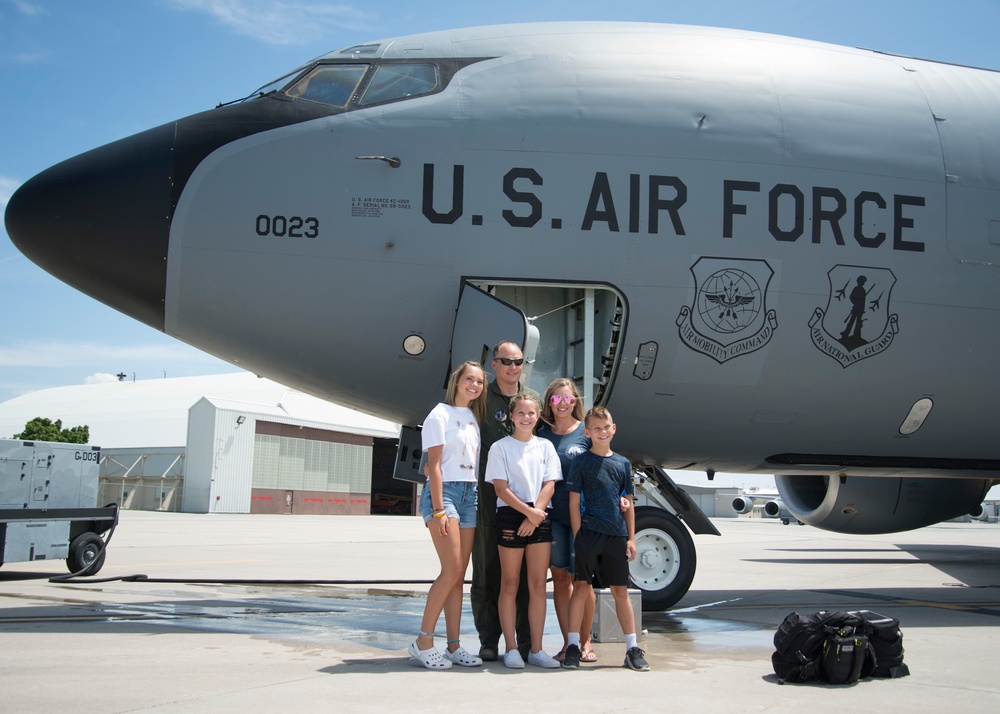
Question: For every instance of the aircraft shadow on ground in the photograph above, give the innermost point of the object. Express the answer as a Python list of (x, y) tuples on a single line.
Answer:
[(972, 566), (949, 605)]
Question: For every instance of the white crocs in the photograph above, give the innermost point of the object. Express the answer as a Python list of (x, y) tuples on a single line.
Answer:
[(430, 658), (463, 658)]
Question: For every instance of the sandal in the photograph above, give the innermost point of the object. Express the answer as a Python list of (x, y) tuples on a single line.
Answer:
[(588, 655), (558, 656), (430, 658)]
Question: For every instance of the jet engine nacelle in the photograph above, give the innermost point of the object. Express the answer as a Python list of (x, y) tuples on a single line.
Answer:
[(773, 509), (859, 504), (742, 504), (979, 513)]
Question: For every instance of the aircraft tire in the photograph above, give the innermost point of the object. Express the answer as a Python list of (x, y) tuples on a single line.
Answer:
[(665, 559), (86, 554)]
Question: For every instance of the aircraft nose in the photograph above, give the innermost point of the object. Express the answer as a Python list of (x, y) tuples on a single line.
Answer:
[(100, 222)]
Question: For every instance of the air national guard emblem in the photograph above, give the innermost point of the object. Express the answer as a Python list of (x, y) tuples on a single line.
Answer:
[(728, 318), (856, 323)]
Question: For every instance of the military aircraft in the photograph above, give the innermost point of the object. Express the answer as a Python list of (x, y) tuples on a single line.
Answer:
[(762, 254), (769, 504)]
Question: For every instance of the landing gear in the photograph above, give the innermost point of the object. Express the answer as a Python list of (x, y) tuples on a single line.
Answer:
[(665, 559)]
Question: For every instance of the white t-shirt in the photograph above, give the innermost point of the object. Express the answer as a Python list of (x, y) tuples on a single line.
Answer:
[(524, 465), (456, 429)]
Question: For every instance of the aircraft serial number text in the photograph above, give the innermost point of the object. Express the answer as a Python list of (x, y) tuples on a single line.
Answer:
[(287, 226)]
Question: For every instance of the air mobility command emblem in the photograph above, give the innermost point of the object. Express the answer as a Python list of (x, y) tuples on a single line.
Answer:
[(729, 317)]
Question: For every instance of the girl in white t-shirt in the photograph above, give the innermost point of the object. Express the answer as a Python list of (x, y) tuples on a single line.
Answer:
[(523, 469), (450, 438)]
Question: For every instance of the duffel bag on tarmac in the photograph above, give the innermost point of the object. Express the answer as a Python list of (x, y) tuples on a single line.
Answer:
[(816, 647)]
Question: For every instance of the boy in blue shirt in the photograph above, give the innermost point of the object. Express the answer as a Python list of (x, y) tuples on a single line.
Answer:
[(603, 531)]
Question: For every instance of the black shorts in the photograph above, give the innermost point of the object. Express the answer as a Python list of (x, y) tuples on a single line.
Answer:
[(509, 520), (601, 551)]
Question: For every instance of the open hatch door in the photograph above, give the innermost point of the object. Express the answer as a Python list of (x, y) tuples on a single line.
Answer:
[(481, 321)]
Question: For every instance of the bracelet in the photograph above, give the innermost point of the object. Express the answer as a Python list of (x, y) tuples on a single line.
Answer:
[(439, 514)]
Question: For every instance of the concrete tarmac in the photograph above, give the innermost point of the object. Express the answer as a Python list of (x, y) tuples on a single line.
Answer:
[(232, 619)]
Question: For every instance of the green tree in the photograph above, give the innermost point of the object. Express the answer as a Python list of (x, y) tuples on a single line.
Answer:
[(41, 429)]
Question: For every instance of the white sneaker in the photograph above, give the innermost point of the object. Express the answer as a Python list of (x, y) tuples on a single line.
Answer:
[(513, 660), (541, 659), (463, 658)]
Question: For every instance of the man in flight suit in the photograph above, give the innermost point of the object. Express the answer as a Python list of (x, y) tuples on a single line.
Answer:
[(507, 364)]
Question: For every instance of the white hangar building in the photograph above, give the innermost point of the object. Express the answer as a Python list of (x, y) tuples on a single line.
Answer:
[(230, 443)]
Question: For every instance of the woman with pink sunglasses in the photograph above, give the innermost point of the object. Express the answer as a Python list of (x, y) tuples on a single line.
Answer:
[(562, 414)]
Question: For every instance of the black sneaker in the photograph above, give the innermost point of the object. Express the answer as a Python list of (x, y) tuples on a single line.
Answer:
[(488, 654), (571, 659), (634, 659)]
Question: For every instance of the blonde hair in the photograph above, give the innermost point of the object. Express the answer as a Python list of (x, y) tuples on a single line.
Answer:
[(597, 413), (522, 397), (477, 405), (577, 412)]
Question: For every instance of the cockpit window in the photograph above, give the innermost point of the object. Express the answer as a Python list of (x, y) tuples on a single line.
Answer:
[(329, 84), (276, 84), (396, 81), (361, 50)]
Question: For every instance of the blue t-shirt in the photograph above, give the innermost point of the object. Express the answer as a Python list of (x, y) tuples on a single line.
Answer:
[(601, 481), (568, 446)]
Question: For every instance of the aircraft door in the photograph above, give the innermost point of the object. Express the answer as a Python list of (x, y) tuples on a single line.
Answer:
[(483, 320), (574, 330)]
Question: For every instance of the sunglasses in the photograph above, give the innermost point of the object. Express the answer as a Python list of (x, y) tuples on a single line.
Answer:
[(556, 398), (508, 361)]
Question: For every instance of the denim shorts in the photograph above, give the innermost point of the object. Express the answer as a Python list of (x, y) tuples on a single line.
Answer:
[(562, 554), (459, 502)]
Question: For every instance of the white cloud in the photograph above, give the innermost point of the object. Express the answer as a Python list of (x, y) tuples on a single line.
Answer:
[(279, 22), (31, 57), (100, 378), (31, 9), (7, 188)]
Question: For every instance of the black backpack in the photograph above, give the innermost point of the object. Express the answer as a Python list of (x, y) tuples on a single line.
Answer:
[(830, 647)]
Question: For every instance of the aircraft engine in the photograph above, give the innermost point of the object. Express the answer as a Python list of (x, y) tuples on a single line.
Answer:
[(773, 509), (742, 504), (979, 513), (864, 505)]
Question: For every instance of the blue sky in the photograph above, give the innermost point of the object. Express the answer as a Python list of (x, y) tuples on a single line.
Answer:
[(76, 75)]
